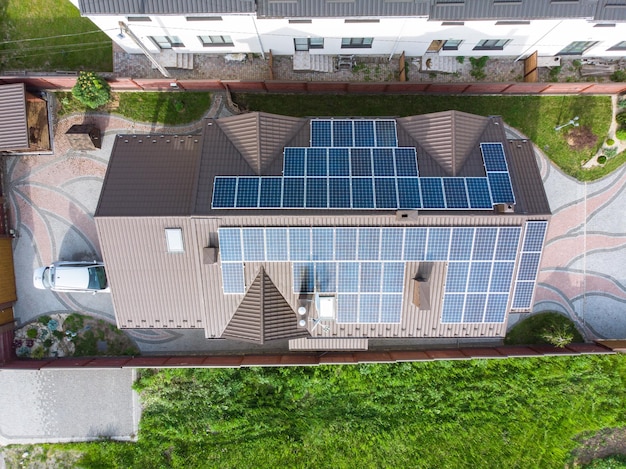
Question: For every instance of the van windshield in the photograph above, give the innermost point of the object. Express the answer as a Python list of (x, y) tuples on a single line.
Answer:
[(97, 278)]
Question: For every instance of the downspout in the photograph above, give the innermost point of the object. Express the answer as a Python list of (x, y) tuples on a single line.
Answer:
[(537, 41), (258, 36), (395, 44), (144, 49)]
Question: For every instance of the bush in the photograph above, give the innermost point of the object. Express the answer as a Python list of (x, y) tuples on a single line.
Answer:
[(92, 90), (610, 142), (617, 461), (478, 67), (538, 328), (618, 75), (45, 319), (460, 59), (32, 333), (601, 159), (621, 134), (610, 152), (558, 335), (621, 118)]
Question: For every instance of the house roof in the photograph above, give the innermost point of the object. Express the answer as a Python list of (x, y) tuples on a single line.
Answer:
[(339, 9), (13, 123), (166, 182), (164, 7)]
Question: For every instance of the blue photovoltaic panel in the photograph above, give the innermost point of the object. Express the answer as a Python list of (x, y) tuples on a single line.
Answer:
[(370, 280), (369, 244), (299, 244), (393, 277), (276, 244), (386, 196), (534, 235), (456, 195), (432, 193), (496, 308), (342, 133), (271, 194), (326, 277), (247, 192), (390, 308), (484, 242), (293, 192), (391, 244), (438, 244), (452, 308), (348, 277), (322, 244), (347, 308), (339, 193), (501, 190), (528, 266), (506, 248), (406, 162), (493, 156), (523, 295), (474, 310), (369, 308), (386, 133), (232, 278), (345, 244), (224, 189), (501, 277), (230, 244), (461, 244), (414, 244), (478, 192), (363, 133), (383, 162), (362, 193), (338, 162), (253, 244), (456, 277), (409, 193), (316, 192), (321, 133), (479, 277), (293, 164), (316, 162), (303, 277), (361, 161)]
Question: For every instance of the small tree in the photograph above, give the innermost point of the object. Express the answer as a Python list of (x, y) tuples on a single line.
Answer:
[(621, 134), (558, 335), (92, 90)]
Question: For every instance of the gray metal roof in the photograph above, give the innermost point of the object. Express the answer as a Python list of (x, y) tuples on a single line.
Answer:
[(341, 9), (164, 7), (511, 10), (611, 10), (13, 124)]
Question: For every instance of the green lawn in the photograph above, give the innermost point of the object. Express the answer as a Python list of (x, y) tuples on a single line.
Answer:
[(50, 35), (511, 413), (535, 116)]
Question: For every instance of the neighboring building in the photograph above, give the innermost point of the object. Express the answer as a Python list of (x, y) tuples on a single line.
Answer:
[(13, 122), (326, 232), (517, 28)]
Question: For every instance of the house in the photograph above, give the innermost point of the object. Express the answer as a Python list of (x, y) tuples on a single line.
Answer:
[(324, 232), (171, 32), (13, 123)]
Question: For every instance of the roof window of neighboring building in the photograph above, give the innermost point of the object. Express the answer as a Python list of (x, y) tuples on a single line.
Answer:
[(174, 238), (453, 23), (492, 44), (577, 47), (138, 18), (619, 46), (452, 44), (507, 2), (306, 43), (511, 23), (167, 42), (300, 21), (357, 42), (363, 21), (604, 25), (216, 41), (203, 18)]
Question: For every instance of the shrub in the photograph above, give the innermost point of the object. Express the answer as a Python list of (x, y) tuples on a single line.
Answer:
[(601, 159), (610, 142), (554, 73), (618, 75), (460, 59), (621, 134), (92, 90), (45, 319), (32, 333), (610, 152), (621, 118), (478, 67), (38, 353), (621, 103)]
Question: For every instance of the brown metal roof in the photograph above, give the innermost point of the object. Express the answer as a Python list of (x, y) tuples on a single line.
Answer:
[(263, 315), (13, 124)]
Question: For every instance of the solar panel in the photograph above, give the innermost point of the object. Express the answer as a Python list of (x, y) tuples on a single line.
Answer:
[(406, 162), (253, 245), (338, 162), (474, 309), (528, 266), (455, 193), (293, 163), (343, 135), (316, 162), (501, 190), (370, 278), (339, 193), (508, 240), (386, 196), (224, 190), (347, 308), (383, 162), (393, 277), (390, 308), (461, 244), (501, 277), (484, 242), (438, 244), (316, 192), (276, 244), (478, 193), (299, 244), (452, 308), (323, 242), (369, 308), (345, 244), (362, 193), (293, 192), (321, 133), (534, 235), (414, 244), (232, 278), (271, 192), (247, 192), (532, 245), (523, 295), (348, 277), (361, 162), (391, 242), (303, 277), (409, 193), (326, 277), (369, 244), (364, 133), (432, 193), (386, 133), (456, 277), (479, 277), (493, 156), (496, 308), (230, 244)]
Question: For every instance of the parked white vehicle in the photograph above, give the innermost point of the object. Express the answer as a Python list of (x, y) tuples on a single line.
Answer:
[(72, 277)]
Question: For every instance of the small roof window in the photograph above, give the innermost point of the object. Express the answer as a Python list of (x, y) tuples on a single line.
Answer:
[(174, 237)]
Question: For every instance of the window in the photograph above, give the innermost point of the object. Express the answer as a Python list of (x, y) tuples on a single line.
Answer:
[(216, 41), (300, 21), (512, 23), (604, 25), (619, 46), (452, 44), (203, 18), (576, 47), (453, 23), (362, 21), (167, 42), (174, 238), (139, 18), (492, 44), (306, 43), (357, 42)]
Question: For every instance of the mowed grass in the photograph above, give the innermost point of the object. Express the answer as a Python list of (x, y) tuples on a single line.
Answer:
[(50, 35), (509, 413), (535, 116)]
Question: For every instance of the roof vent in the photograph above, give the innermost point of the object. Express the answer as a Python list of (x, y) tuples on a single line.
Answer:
[(505, 208)]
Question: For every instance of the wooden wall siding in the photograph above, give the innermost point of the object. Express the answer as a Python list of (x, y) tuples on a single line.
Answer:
[(6, 316), (6, 344), (7, 274)]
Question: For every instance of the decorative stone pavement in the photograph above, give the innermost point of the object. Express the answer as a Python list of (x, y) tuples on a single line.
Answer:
[(53, 199)]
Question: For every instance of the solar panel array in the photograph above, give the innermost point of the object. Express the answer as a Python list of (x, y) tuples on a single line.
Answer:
[(365, 267), (529, 264), (357, 164)]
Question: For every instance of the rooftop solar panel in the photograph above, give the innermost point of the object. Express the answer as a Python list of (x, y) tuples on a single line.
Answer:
[(247, 192), (409, 193), (232, 278), (224, 190), (383, 162), (478, 193), (369, 308), (386, 194), (347, 308), (343, 135), (386, 133), (496, 308), (362, 193), (294, 161), (321, 133), (293, 193), (432, 193), (271, 192), (316, 192), (338, 162), (361, 162), (455, 193), (364, 133), (501, 190), (493, 156), (339, 193), (406, 162), (316, 162)]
